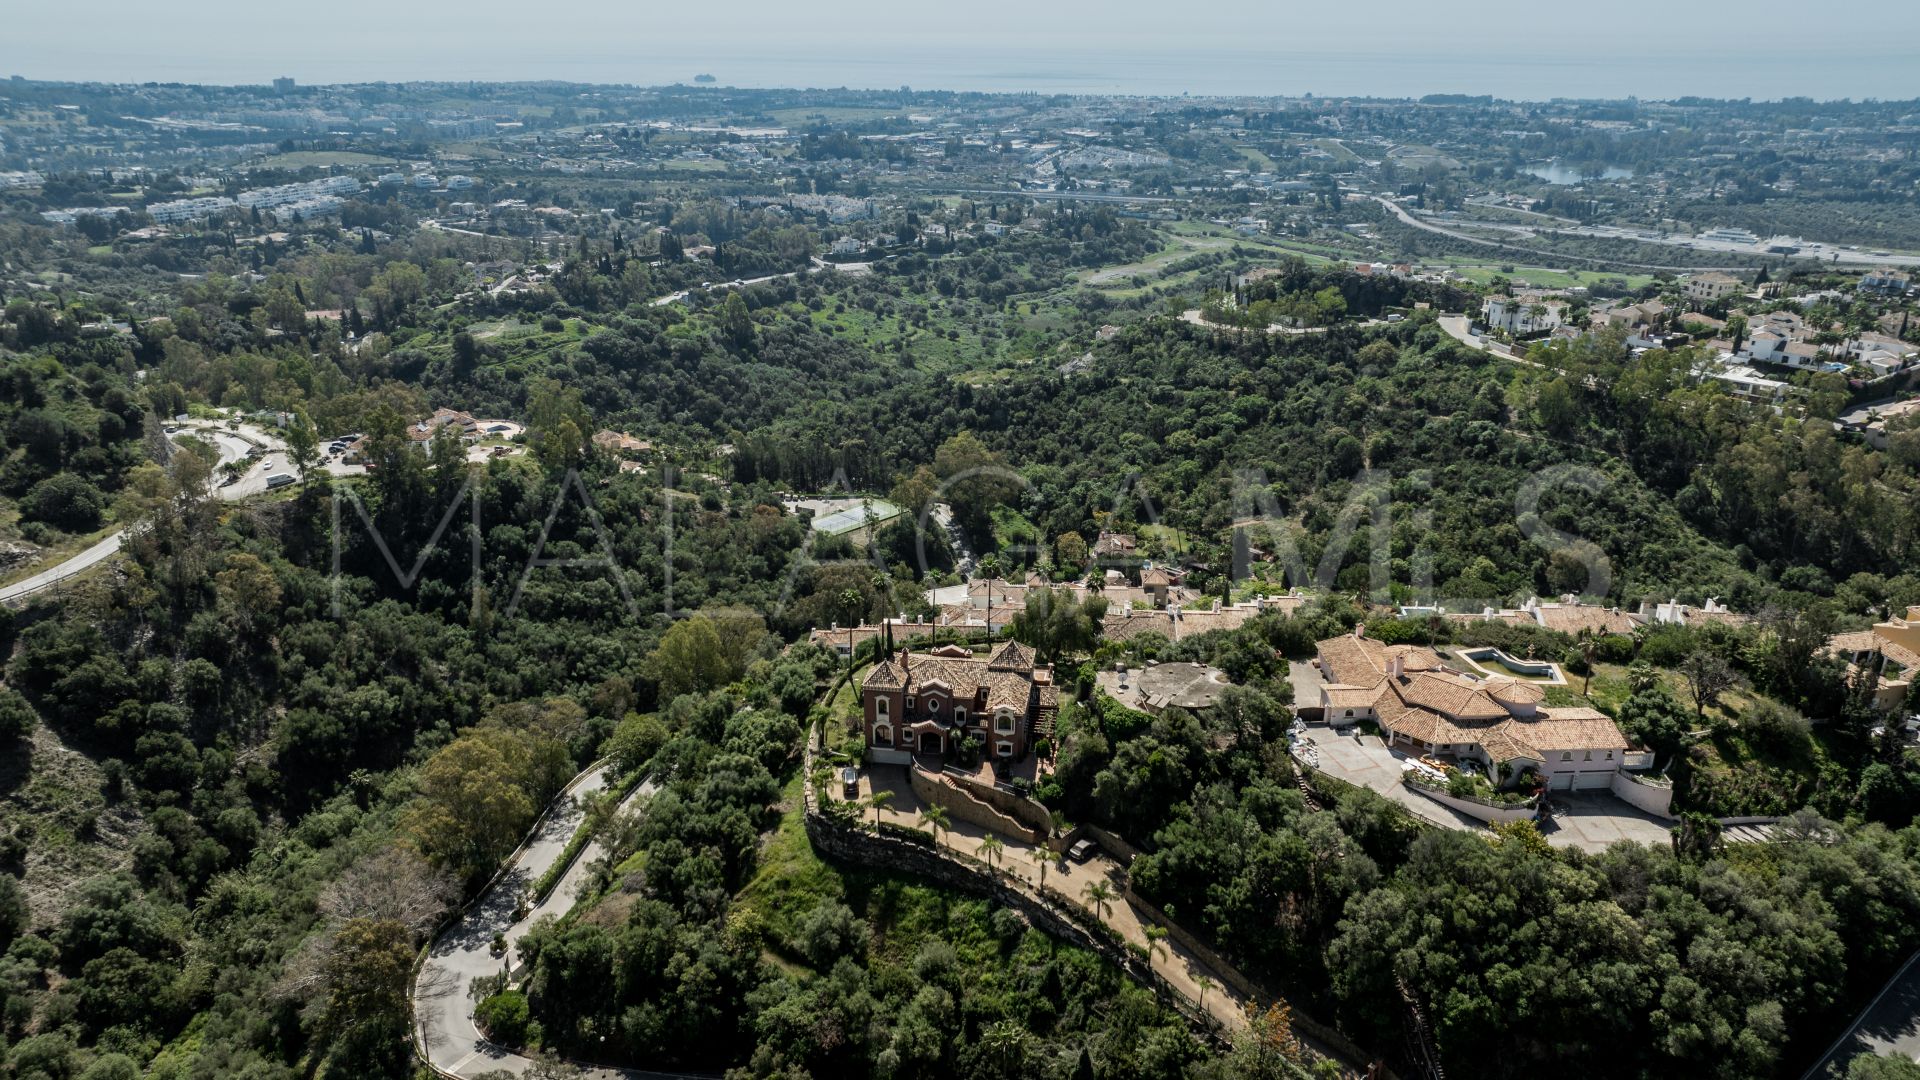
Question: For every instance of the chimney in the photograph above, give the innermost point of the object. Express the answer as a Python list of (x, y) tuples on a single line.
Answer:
[(1399, 666), (1359, 631)]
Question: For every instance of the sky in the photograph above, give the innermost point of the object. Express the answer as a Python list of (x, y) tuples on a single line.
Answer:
[(1536, 49)]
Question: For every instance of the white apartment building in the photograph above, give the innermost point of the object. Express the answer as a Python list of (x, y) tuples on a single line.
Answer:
[(285, 194)]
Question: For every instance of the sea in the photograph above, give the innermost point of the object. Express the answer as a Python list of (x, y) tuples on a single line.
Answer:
[(1880, 69)]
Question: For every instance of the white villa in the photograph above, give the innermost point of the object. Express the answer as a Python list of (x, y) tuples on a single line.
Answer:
[(1425, 706)]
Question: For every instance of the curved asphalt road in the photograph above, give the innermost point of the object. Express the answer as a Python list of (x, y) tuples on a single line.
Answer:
[(232, 447), (1890, 1024), (442, 1009)]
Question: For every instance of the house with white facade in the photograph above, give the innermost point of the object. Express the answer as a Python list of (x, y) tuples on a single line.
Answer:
[(1425, 706), (1523, 314)]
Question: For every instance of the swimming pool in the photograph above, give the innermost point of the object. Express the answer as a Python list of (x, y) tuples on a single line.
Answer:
[(1526, 669)]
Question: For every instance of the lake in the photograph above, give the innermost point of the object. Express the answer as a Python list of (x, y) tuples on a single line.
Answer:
[(1554, 172)]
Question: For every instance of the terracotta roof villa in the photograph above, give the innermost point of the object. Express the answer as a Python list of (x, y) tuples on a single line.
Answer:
[(1891, 651), (1426, 706), (926, 702)]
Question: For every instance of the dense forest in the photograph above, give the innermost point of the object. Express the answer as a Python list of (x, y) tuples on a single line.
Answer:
[(1716, 961), (243, 789)]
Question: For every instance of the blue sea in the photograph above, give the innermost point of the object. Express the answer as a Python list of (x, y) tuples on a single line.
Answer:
[(1888, 69)]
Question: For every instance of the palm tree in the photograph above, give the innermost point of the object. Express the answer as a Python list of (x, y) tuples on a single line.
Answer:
[(1008, 1042), (1155, 935), (1041, 857), (1205, 984), (991, 847), (877, 800), (1098, 894), (852, 604), (1588, 646), (935, 819)]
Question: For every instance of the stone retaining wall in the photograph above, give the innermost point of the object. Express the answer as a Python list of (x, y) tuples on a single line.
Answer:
[(1244, 986), (933, 790), (1478, 809), (1025, 810), (1050, 914)]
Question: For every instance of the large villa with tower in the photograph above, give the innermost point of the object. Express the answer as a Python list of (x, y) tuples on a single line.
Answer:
[(926, 702), (1425, 705)]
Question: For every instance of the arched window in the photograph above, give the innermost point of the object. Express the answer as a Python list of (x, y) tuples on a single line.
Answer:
[(1349, 712), (880, 709), (1003, 721), (959, 716), (882, 735)]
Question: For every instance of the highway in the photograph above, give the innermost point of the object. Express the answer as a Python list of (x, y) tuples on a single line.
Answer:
[(1830, 254), (1538, 253)]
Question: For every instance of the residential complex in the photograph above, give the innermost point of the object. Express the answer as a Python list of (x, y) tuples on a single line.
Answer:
[(1426, 705)]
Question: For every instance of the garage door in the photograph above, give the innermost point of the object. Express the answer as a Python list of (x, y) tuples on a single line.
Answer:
[(1592, 781), (1560, 781)]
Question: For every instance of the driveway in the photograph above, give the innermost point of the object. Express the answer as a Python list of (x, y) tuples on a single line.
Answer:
[(1015, 860), (442, 1008), (1590, 821), (1365, 761), (1305, 679), (1595, 820)]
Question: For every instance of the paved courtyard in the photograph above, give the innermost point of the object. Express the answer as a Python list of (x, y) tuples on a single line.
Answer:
[(1590, 820), (1365, 761), (1593, 820)]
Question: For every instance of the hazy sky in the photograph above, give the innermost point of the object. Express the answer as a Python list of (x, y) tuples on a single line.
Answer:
[(1654, 48)]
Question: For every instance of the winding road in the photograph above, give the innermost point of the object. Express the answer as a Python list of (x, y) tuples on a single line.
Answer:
[(1890, 1024), (442, 1008), (1199, 318), (234, 443)]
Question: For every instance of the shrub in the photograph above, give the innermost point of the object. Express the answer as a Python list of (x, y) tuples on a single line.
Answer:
[(16, 716), (830, 930), (1774, 728), (504, 1017), (65, 501)]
